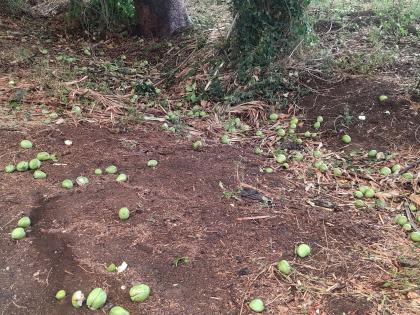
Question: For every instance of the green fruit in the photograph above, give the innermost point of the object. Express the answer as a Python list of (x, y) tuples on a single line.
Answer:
[(34, 164), (285, 165), (284, 267), (26, 144), (407, 227), (96, 299), (112, 169), (380, 203), (111, 268), (98, 171), (307, 134), (408, 176), (67, 183), (383, 98), (9, 168), (370, 193), (197, 145), (122, 178), (281, 132), (303, 250), (359, 203), (346, 139), (225, 139), (294, 120), (257, 305), (298, 157), (259, 133), (22, 166), (396, 168), (372, 154), (165, 126), (320, 119), (77, 299), (358, 194), (363, 189), (18, 233), (273, 117), (152, 163), (323, 168), (291, 131), (337, 172), (412, 207), (281, 158), (24, 222), (124, 213), (401, 219), (139, 292), (317, 125), (118, 310), (385, 171), (415, 236), (317, 154), (268, 170), (258, 151), (82, 180), (40, 175), (61, 294), (298, 141), (43, 156), (318, 164), (293, 126)]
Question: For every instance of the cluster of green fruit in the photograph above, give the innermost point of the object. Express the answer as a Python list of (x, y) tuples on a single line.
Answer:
[(363, 192), (34, 164), (283, 266), (402, 220), (19, 232), (98, 297)]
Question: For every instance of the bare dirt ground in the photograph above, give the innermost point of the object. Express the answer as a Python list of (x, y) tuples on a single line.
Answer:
[(191, 204)]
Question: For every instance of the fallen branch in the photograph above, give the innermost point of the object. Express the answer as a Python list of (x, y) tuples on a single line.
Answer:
[(256, 218)]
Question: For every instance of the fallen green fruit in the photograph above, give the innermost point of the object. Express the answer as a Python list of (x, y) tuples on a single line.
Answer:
[(139, 292), (197, 145), (294, 120), (96, 299), (268, 170), (346, 139), (317, 154), (284, 267), (258, 151), (320, 119), (77, 299), (259, 133), (383, 98), (257, 305), (9, 168), (369, 193), (122, 178), (61, 294), (82, 180), (396, 168), (385, 171), (337, 172), (67, 183), (293, 126), (26, 144), (372, 153), (415, 236), (317, 164), (412, 207), (22, 166), (401, 219), (298, 157), (273, 117), (358, 194), (111, 268), (39, 174), (225, 139), (43, 156), (24, 222), (98, 171), (408, 176), (281, 132), (363, 189), (303, 250), (124, 213), (317, 125), (281, 158), (18, 233), (112, 169), (407, 227), (152, 163), (34, 164), (359, 203), (118, 310), (323, 168)]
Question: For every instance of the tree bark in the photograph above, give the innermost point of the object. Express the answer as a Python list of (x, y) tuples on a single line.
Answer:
[(161, 17)]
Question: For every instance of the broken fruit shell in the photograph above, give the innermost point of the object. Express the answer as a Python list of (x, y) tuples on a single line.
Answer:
[(77, 299)]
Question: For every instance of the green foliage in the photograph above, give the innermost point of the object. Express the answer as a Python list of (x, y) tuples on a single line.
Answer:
[(265, 29), (102, 15)]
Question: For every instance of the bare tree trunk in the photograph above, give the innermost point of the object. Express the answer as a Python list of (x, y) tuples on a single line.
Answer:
[(161, 17)]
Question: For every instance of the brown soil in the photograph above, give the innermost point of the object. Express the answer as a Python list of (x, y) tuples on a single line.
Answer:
[(178, 209)]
